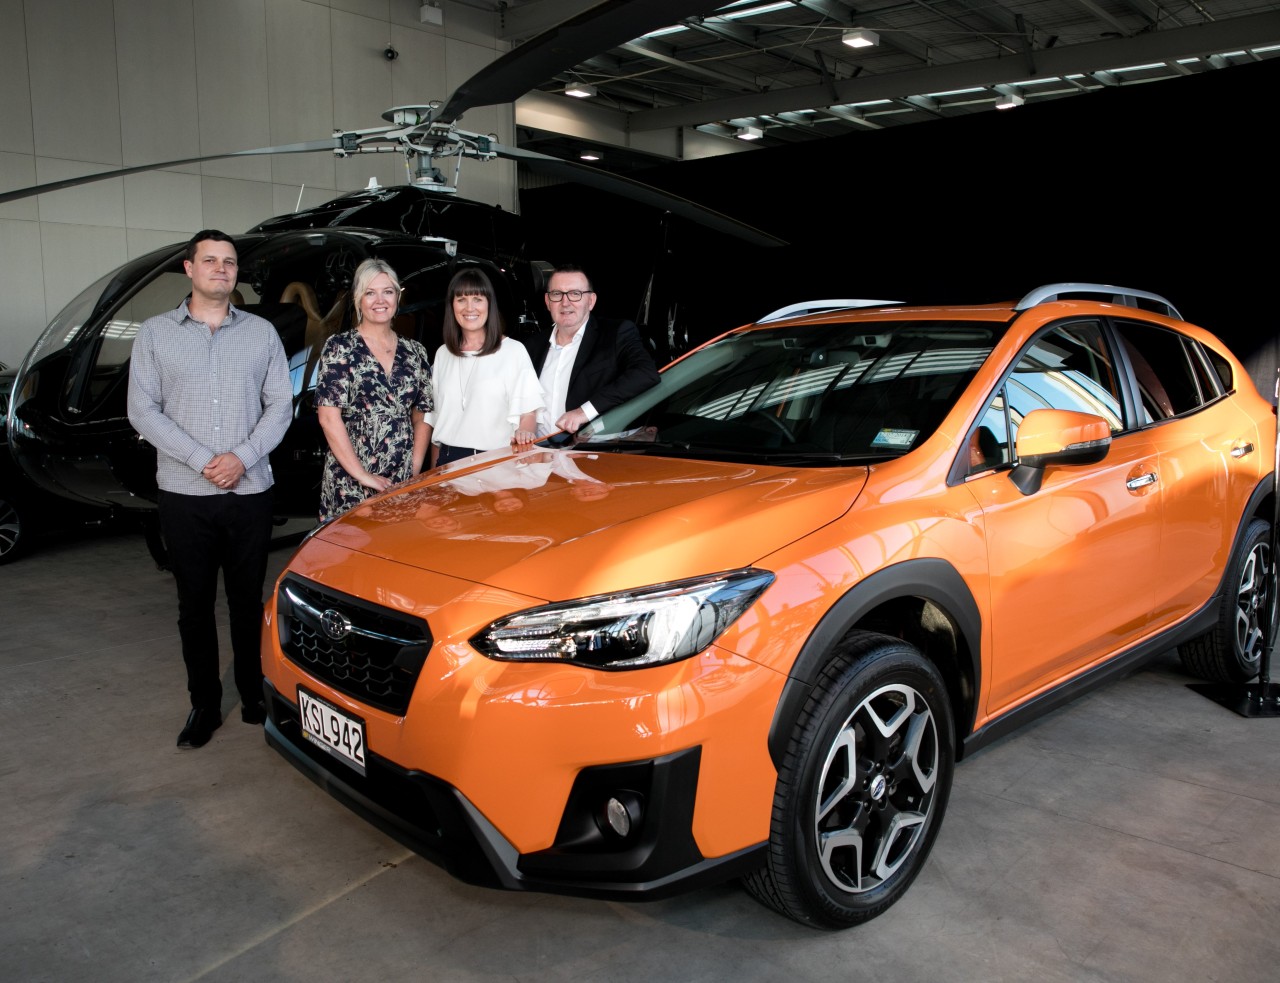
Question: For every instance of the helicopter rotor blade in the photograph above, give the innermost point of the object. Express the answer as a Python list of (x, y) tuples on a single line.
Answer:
[(313, 146), (598, 28), (636, 191)]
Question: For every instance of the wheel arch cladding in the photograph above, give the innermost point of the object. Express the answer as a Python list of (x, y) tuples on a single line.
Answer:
[(925, 602)]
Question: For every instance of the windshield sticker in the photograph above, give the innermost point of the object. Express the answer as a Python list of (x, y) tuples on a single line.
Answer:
[(894, 438)]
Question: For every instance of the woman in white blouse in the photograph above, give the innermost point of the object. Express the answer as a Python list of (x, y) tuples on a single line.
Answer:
[(487, 395)]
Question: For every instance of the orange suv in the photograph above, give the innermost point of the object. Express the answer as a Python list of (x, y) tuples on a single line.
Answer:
[(745, 624)]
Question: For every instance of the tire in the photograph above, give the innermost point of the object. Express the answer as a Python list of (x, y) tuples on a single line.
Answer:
[(863, 786), (13, 528), (1231, 652)]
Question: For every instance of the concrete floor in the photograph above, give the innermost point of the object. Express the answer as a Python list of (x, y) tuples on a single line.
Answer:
[(1130, 836)]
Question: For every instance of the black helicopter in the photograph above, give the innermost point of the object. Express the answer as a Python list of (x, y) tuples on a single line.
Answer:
[(67, 424)]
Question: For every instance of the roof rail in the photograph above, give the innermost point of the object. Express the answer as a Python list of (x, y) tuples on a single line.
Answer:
[(1116, 295), (821, 306)]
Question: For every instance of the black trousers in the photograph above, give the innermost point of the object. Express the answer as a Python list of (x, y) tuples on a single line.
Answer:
[(205, 534), (449, 453)]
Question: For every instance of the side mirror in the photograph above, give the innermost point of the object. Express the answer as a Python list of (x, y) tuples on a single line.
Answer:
[(1057, 437)]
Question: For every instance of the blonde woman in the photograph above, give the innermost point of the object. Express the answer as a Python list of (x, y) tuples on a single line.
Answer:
[(373, 394)]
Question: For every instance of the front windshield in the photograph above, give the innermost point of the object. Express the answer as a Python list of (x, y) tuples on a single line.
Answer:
[(816, 395)]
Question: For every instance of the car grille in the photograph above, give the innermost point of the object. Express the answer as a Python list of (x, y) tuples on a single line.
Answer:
[(367, 652)]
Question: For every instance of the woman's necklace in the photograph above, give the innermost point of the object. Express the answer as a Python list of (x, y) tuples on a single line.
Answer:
[(381, 346), (466, 373)]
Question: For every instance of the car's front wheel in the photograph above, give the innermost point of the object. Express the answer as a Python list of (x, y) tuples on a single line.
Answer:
[(1232, 651), (862, 788)]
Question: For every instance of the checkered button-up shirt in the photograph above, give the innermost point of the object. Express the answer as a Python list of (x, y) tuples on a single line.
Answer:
[(195, 394)]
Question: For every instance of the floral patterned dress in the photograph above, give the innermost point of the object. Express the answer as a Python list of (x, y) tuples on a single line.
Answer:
[(376, 410)]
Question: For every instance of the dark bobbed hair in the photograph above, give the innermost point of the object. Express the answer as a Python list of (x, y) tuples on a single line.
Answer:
[(207, 235), (471, 282)]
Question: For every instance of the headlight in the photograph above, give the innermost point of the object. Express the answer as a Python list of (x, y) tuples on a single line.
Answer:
[(630, 629)]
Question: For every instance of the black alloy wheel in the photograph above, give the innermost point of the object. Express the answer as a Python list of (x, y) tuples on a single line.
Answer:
[(12, 527), (863, 786), (1231, 652)]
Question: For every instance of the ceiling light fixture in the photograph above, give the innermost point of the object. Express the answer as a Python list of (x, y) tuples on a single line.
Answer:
[(580, 90), (749, 133), (860, 37), (1007, 100), (589, 155)]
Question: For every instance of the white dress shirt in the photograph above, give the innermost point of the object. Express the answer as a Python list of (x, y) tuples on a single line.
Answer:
[(554, 377)]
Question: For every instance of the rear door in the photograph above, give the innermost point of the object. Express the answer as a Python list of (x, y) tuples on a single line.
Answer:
[(1211, 459)]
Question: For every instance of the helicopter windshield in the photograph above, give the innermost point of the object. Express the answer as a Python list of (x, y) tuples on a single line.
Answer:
[(812, 395), (70, 323)]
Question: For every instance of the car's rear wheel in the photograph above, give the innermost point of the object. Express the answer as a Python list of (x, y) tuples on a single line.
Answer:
[(12, 528), (862, 788), (1232, 651)]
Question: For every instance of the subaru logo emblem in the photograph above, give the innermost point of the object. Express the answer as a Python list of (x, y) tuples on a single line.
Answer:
[(878, 784), (335, 624)]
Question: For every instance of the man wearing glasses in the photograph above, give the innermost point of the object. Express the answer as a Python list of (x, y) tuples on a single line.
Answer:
[(586, 365)]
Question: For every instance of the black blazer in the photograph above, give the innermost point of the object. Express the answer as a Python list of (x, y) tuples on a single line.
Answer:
[(613, 364)]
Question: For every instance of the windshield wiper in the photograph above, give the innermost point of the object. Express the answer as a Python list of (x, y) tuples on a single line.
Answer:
[(638, 446)]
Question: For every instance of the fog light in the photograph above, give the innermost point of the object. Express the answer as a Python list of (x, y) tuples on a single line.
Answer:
[(621, 813)]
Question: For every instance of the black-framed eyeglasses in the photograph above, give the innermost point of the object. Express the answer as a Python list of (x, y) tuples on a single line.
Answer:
[(574, 295)]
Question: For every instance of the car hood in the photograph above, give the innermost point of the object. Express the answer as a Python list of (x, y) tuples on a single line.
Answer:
[(564, 524)]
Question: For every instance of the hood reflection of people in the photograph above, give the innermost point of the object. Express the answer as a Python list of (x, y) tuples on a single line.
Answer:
[(510, 481)]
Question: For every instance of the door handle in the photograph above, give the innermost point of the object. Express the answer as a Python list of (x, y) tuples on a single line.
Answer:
[(1141, 481), (1241, 449)]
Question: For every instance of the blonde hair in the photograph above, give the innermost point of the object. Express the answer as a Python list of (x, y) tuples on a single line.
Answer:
[(365, 274)]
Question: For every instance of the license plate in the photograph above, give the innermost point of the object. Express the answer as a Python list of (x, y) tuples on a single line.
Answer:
[(327, 727)]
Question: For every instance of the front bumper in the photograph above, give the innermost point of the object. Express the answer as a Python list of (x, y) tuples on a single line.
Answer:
[(658, 858)]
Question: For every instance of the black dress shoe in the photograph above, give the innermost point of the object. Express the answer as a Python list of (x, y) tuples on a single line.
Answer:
[(253, 713), (200, 727)]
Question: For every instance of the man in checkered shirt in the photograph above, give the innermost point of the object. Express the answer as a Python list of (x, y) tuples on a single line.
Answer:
[(209, 388)]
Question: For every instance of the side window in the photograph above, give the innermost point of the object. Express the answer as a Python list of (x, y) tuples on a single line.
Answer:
[(1168, 384), (1068, 368), (1221, 368), (989, 444)]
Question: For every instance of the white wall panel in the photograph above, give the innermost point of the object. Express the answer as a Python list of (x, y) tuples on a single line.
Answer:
[(21, 285), (16, 135), (361, 75), (163, 200), (362, 92), (159, 111), (284, 198), (75, 98), (492, 182), (300, 71), (377, 9), (405, 13), (18, 171), (234, 206), (232, 85), (99, 203), (418, 75), (139, 242), (461, 22), (74, 256)]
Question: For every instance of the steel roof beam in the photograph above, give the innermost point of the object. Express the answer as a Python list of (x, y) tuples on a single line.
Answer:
[(1186, 42)]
